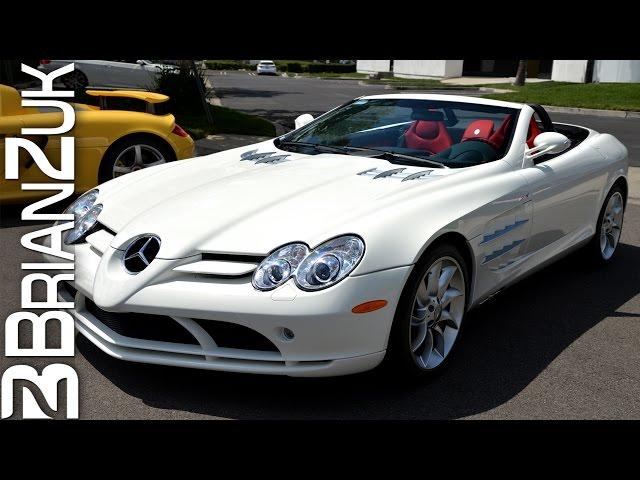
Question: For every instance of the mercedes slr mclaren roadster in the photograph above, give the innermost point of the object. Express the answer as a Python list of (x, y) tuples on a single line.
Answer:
[(364, 235)]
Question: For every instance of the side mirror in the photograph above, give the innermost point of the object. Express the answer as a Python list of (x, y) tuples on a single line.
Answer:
[(142, 63), (546, 143), (303, 119)]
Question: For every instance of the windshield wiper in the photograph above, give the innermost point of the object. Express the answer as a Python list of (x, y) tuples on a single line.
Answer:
[(316, 146), (415, 160)]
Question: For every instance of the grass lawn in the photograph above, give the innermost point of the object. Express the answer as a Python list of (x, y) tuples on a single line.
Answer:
[(225, 120), (608, 96)]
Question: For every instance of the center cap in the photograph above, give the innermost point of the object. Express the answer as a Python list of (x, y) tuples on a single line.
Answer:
[(434, 309)]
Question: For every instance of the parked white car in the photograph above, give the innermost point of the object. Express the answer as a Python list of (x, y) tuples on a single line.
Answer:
[(266, 67), (365, 234), (141, 74)]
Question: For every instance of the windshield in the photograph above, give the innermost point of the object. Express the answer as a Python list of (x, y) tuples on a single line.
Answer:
[(454, 134)]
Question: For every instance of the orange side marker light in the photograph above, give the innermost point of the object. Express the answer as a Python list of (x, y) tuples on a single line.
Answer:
[(371, 306)]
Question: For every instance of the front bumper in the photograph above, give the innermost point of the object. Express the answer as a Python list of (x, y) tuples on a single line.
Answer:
[(328, 338)]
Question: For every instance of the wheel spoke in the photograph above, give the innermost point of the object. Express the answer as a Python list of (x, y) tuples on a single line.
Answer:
[(446, 320), (438, 341), (119, 169), (445, 279), (433, 279), (420, 337), (449, 295), (138, 156), (422, 295), (417, 320), (426, 349)]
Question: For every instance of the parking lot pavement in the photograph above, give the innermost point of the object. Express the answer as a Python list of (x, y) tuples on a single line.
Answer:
[(282, 99), (561, 344)]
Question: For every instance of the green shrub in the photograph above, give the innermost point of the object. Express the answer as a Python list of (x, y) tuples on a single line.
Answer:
[(225, 65), (182, 89), (294, 67)]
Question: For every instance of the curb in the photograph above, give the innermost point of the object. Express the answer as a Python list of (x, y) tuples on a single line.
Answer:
[(593, 112)]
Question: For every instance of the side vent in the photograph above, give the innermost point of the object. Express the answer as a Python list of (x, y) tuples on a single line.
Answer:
[(264, 157), (397, 173)]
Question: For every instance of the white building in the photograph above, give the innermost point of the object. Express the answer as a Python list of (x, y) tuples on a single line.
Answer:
[(558, 70)]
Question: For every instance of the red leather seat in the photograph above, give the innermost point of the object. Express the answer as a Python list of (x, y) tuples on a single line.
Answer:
[(428, 135), (479, 130), (497, 139), (534, 131)]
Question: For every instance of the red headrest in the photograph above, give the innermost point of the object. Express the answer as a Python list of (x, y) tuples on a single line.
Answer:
[(427, 129), (478, 130), (497, 139)]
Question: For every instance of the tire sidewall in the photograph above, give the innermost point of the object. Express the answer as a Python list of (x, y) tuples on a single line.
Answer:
[(399, 351)]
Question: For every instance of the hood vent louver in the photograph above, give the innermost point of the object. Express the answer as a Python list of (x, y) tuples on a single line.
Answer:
[(264, 157), (398, 173)]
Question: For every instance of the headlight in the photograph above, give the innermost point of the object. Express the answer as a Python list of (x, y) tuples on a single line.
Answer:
[(83, 204), (278, 267), (85, 216), (329, 263)]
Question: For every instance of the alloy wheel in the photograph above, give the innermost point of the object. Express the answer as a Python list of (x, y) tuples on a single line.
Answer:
[(137, 157), (611, 227), (437, 313)]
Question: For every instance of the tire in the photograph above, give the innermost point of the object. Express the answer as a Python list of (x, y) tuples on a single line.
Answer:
[(75, 80), (122, 157), (405, 335), (602, 247)]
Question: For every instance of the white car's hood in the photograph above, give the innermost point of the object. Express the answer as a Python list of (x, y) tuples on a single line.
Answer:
[(221, 203)]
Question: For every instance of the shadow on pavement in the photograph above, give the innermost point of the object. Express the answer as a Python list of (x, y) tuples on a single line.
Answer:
[(506, 344)]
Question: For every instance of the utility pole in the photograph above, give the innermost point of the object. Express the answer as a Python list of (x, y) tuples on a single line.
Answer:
[(521, 74)]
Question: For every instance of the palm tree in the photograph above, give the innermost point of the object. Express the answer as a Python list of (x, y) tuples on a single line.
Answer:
[(521, 73)]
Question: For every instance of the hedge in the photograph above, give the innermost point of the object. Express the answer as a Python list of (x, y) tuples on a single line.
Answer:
[(225, 65)]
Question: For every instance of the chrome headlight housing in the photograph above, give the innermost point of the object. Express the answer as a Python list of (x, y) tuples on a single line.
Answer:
[(312, 270), (85, 214), (330, 262), (278, 267)]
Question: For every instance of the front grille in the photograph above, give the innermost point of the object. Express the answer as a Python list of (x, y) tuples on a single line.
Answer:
[(231, 335), (142, 326)]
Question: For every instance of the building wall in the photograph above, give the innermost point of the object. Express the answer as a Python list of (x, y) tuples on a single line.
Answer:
[(427, 68), (616, 71), (569, 71), (373, 66)]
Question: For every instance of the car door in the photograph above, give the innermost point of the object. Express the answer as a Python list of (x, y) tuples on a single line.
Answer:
[(564, 189)]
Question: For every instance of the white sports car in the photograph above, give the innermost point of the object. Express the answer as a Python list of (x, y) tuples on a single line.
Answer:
[(367, 233)]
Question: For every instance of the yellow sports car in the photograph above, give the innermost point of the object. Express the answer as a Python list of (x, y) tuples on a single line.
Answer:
[(109, 143)]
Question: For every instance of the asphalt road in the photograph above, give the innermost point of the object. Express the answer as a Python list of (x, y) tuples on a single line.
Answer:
[(282, 99), (562, 344)]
